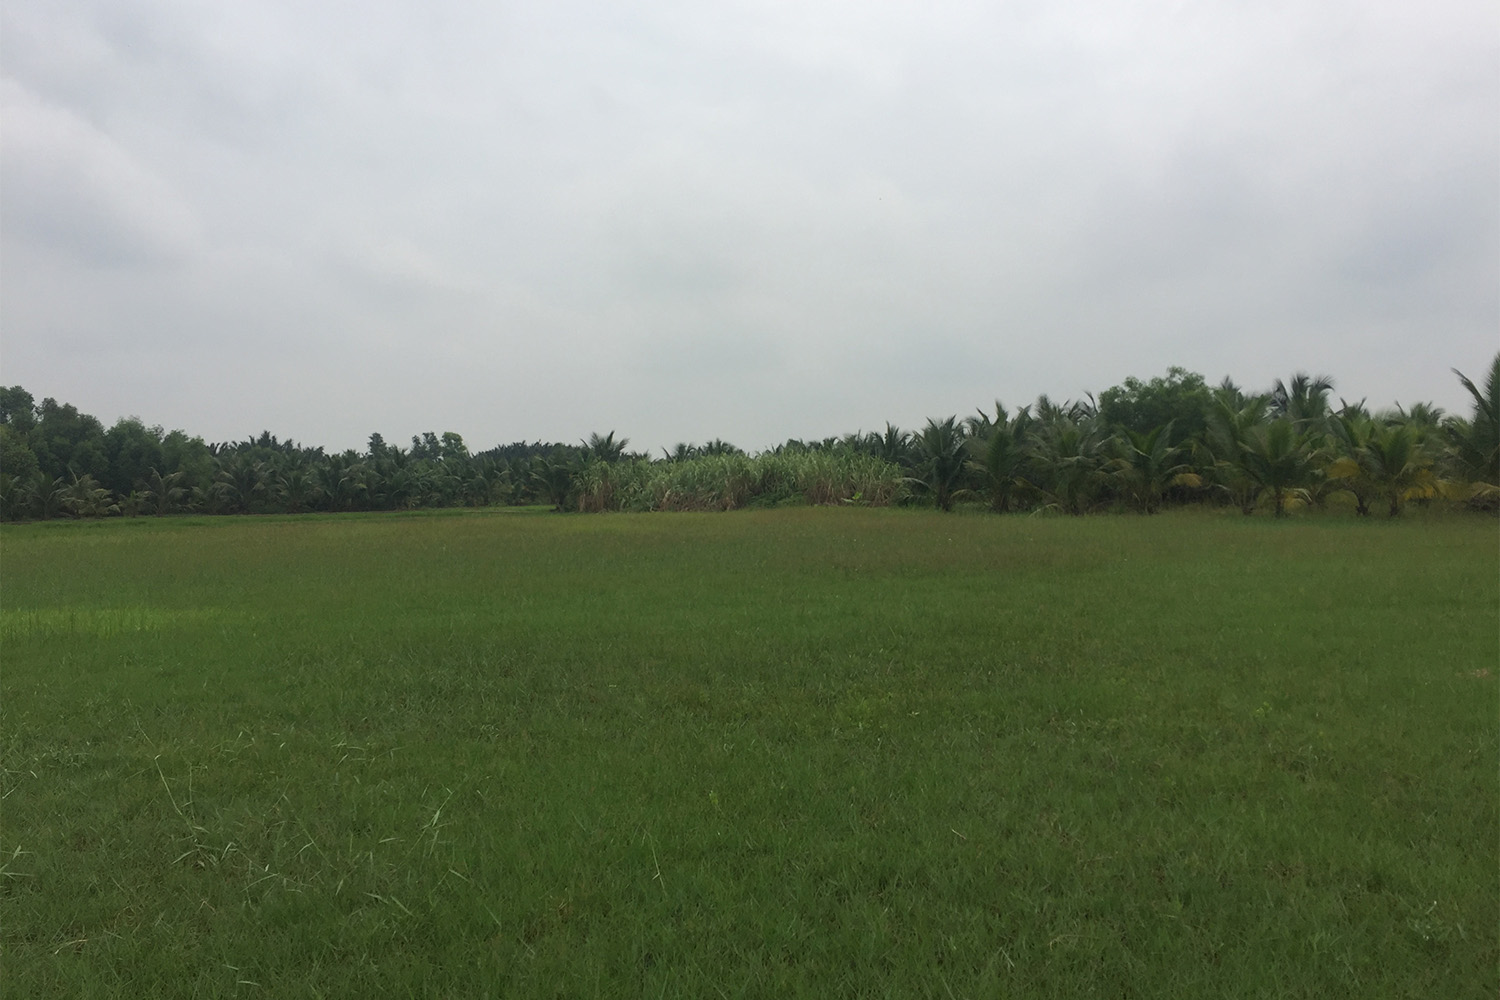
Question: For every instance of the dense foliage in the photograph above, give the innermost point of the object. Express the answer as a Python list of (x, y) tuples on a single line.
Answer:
[(1143, 445)]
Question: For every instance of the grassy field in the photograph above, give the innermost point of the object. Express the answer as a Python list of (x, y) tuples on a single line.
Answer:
[(804, 752)]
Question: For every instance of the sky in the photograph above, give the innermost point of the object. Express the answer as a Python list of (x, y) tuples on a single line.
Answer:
[(741, 220)]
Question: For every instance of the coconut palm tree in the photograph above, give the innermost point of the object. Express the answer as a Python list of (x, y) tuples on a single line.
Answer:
[(940, 466), (999, 454), (339, 481), (1145, 465), (1352, 429), (1474, 444), (42, 495), (1067, 461), (84, 497), (399, 485), (13, 496), (293, 485), (1422, 416), (1280, 459), (604, 448), (720, 447), (1396, 463), (894, 446), (241, 481), (552, 475), (981, 423), (163, 494), (1231, 417), (1303, 400)]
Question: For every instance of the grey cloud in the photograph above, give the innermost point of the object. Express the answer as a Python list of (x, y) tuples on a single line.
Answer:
[(67, 186), (743, 220)]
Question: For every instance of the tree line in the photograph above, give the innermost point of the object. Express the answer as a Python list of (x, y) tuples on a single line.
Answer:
[(1142, 446)]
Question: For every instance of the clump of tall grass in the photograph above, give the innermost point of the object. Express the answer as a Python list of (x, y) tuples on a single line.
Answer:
[(732, 481), (840, 477)]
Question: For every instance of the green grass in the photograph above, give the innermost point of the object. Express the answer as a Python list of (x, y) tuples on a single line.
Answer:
[(804, 752)]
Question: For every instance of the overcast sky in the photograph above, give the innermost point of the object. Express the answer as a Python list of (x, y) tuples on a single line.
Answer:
[(745, 220)]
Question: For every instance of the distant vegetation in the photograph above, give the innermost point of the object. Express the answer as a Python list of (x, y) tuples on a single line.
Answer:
[(1170, 441)]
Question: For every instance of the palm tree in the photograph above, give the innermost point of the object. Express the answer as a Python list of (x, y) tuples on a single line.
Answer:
[(718, 447), (1231, 418), (1067, 461), (1280, 459), (499, 487), (1421, 415), (1047, 412), (210, 499), (440, 483), (340, 481), (894, 446), (553, 478), (1147, 464), (241, 481), (399, 488), (294, 487), (1000, 454), (940, 461), (13, 496), (1396, 463), (604, 448), (163, 494), (1475, 443), (981, 424), (1352, 430), (84, 497), (1303, 400), (43, 495)]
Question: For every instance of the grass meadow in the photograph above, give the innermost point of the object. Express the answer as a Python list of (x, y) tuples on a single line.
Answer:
[(800, 752)]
